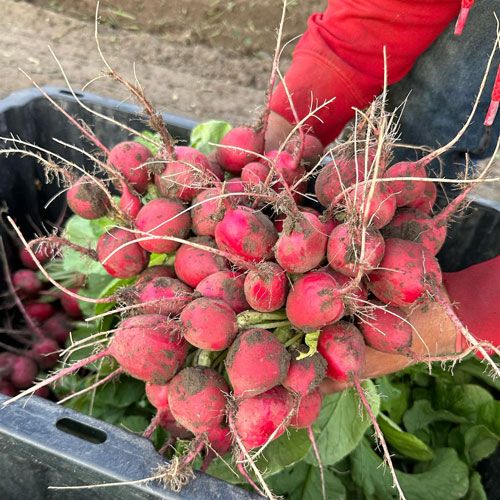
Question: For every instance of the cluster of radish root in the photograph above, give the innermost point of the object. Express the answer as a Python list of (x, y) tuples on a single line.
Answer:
[(260, 262)]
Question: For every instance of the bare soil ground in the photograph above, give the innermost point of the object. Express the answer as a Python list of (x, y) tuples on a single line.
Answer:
[(197, 58)]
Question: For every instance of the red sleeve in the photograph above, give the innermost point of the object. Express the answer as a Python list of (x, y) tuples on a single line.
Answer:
[(340, 55), (475, 291)]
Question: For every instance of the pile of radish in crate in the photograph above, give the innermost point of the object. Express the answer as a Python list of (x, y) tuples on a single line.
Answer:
[(232, 297)]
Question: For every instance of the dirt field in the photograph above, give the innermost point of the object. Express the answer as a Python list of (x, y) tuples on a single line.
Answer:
[(197, 58)]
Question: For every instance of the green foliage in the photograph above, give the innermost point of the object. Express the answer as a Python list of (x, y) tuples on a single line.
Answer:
[(208, 132)]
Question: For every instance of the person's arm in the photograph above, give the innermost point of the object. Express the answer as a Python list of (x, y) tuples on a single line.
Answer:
[(341, 55)]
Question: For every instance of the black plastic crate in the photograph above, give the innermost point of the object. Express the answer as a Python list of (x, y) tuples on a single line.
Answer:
[(43, 444)]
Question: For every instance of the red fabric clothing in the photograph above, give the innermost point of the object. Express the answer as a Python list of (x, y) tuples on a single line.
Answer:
[(340, 55), (476, 293)]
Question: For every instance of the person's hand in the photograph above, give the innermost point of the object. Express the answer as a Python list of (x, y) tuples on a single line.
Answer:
[(278, 129), (434, 335)]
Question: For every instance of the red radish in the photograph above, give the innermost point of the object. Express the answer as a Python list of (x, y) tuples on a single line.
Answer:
[(387, 330), (45, 353), (197, 398), (159, 271), (87, 199), (317, 290), (219, 438), (290, 170), (162, 217), (57, 327), (305, 375), (336, 176), (308, 410), (193, 264), (266, 287), (344, 249), (302, 244), (312, 150), (186, 176), (128, 158), (256, 362), (427, 199), (166, 296), (343, 347), (382, 205), (39, 311), (209, 324), (207, 210), (407, 191), (7, 389), (261, 416), (214, 166), (23, 372), (43, 254), (250, 144), (26, 282), (70, 304), (254, 173), (120, 255), (130, 204), (227, 286), (416, 226), (148, 347), (406, 272), (235, 185), (247, 233), (158, 396), (356, 298)]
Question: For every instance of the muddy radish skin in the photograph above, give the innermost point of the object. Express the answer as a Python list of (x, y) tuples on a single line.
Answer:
[(258, 417), (227, 286), (207, 211), (344, 249), (197, 398), (162, 217), (318, 290), (407, 191), (246, 233), (266, 288), (120, 255), (87, 199), (163, 295), (193, 264), (305, 375), (128, 158), (406, 272), (209, 324), (250, 144), (426, 200), (256, 362), (302, 244), (343, 348), (149, 347), (308, 410), (387, 330)]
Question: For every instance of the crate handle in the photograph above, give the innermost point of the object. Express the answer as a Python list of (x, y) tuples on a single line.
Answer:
[(81, 430)]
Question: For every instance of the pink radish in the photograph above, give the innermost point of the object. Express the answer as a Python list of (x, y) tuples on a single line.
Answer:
[(312, 150), (26, 282), (427, 199), (324, 306), (43, 254), (128, 158), (40, 311), (159, 271), (254, 173), (407, 191), (302, 244), (207, 211), (120, 255), (45, 353), (406, 272), (70, 304), (344, 249), (209, 324), (308, 410), (256, 362), (86, 199), (246, 233), (266, 287), (305, 375), (162, 217), (239, 146), (343, 348), (197, 398), (57, 327), (23, 372), (130, 204), (227, 286), (166, 296), (193, 264)]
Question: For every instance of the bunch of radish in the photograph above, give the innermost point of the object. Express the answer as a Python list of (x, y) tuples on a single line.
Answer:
[(272, 289), (36, 330)]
